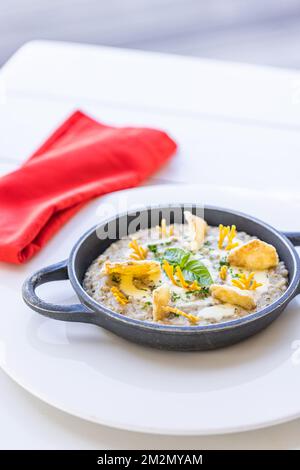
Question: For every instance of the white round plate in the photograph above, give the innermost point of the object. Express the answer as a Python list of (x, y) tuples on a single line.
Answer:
[(91, 373)]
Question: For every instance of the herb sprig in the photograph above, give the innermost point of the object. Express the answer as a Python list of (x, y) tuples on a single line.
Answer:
[(192, 269)]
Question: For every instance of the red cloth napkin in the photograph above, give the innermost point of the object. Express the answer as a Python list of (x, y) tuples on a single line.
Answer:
[(81, 160)]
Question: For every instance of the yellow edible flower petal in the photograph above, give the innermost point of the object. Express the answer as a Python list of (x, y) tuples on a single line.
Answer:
[(247, 280), (138, 251), (164, 232), (246, 283), (184, 284), (119, 296), (169, 270), (238, 283), (230, 246), (182, 281), (163, 227), (192, 318), (194, 286), (230, 233), (223, 272), (255, 285), (223, 232)]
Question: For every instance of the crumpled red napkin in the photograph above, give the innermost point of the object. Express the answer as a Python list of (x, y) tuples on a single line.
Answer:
[(81, 160)]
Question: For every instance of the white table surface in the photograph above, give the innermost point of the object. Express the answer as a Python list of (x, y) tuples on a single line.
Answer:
[(237, 125)]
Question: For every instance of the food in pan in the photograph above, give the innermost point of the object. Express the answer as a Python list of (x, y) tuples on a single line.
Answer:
[(191, 274)]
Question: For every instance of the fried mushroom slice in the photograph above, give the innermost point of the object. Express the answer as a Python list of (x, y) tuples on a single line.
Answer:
[(131, 271), (160, 298), (254, 255), (197, 227), (233, 295), (134, 268)]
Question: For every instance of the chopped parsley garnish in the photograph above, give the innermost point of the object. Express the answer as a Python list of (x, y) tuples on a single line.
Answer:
[(175, 296), (156, 248), (204, 292), (153, 248), (233, 274), (223, 262)]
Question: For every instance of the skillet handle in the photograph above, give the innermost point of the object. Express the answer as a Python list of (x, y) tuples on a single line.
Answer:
[(55, 272), (294, 237)]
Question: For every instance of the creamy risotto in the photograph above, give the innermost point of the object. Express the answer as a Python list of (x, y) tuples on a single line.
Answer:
[(191, 274)]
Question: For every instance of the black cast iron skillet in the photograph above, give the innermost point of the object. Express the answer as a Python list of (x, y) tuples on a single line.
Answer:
[(184, 338)]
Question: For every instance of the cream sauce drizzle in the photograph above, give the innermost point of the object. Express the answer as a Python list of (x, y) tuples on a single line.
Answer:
[(217, 312)]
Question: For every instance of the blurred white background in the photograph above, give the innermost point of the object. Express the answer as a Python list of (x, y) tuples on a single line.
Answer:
[(254, 31)]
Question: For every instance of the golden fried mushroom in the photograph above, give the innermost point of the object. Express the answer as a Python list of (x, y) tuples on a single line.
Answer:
[(254, 255), (197, 228), (233, 295), (160, 298), (136, 268), (132, 270)]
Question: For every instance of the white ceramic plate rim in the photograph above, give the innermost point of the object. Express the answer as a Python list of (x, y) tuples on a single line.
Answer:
[(150, 430)]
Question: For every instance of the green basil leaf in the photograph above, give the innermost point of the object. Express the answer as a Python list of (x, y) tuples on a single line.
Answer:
[(194, 270), (176, 256)]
